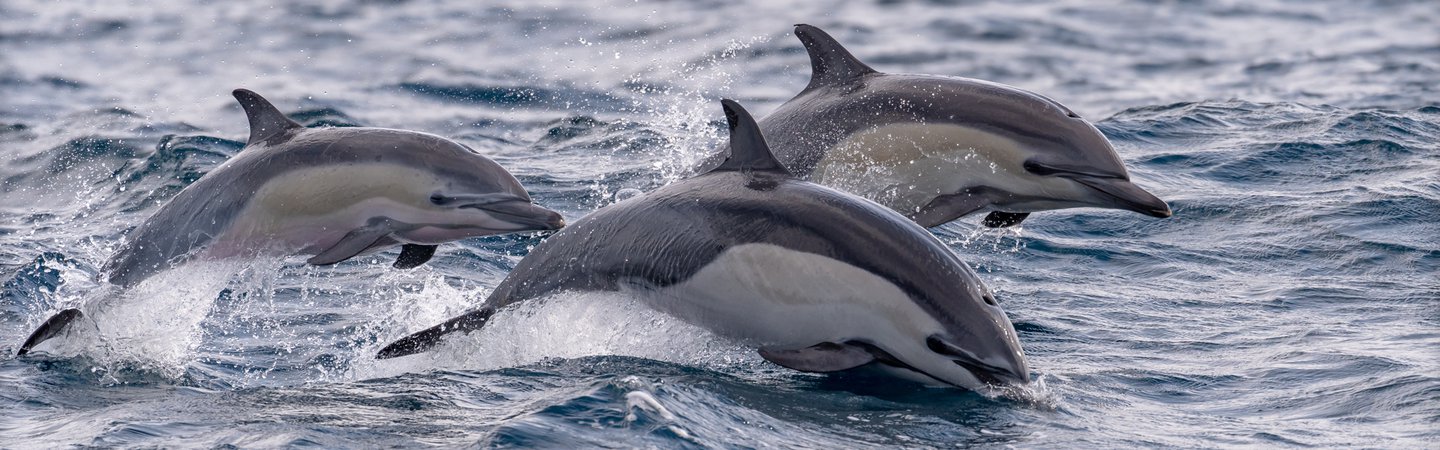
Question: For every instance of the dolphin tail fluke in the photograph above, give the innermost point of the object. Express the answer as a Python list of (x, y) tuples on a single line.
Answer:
[(830, 63), (266, 121), (428, 338), (52, 327)]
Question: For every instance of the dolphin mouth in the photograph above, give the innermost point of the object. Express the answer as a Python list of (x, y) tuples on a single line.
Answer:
[(1013, 372), (522, 213), (1126, 195)]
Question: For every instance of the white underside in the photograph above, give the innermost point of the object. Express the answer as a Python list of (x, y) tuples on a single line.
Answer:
[(774, 297), (905, 166)]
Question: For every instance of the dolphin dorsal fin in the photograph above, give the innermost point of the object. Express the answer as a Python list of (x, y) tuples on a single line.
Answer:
[(266, 121), (748, 151), (830, 63)]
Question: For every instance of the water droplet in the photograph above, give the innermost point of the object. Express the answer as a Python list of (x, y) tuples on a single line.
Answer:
[(626, 194)]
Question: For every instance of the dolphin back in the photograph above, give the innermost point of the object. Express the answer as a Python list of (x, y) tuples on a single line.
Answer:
[(175, 233)]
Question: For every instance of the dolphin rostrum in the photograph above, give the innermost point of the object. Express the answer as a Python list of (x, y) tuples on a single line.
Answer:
[(937, 148), (333, 193), (820, 280)]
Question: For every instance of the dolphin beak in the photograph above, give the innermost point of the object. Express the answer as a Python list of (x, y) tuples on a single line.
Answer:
[(1004, 366), (1126, 195), (523, 213)]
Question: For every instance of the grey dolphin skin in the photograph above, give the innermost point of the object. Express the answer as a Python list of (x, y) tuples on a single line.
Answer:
[(334, 193), (937, 148), (820, 280)]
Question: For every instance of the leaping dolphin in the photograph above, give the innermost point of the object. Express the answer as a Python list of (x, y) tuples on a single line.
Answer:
[(937, 148), (820, 279), (333, 193)]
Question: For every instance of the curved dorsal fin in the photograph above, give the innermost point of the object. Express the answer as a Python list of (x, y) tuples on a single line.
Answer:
[(830, 63), (265, 120), (748, 151)]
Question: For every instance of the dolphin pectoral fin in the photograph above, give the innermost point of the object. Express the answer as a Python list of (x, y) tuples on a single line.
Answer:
[(822, 357), (356, 242), (946, 208), (51, 328), (413, 255), (1000, 219), (429, 337)]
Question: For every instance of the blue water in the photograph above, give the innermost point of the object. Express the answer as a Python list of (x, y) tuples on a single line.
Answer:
[(1293, 300)]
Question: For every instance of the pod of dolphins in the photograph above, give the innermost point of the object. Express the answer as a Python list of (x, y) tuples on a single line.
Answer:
[(806, 238)]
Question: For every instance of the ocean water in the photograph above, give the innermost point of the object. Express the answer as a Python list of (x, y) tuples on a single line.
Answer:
[(1292, 301)]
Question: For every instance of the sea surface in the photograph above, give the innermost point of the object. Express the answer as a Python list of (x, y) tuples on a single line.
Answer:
[(1292, 301)]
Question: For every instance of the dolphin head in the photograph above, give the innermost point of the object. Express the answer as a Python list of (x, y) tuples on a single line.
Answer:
[(984, 343), (1061, 145), (1059, 153), (939, 147), (470, 195), (971, 343)]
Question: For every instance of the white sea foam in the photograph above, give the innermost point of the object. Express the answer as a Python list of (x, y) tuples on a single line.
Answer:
[(567, 325)]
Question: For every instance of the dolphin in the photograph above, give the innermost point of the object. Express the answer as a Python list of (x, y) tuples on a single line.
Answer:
[(334, 193), (819, 279), (937, 148)]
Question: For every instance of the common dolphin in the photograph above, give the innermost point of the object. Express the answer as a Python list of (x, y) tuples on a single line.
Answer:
[(819, 279), (334, 193), (937, 148)]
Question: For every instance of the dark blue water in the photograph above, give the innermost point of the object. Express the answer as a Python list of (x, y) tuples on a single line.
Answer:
[(1293, 300)]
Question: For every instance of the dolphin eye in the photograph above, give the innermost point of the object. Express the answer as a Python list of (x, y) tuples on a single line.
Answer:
[(438, 199)]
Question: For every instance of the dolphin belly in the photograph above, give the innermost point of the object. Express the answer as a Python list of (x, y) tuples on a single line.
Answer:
[(783, 299), (775, 297)]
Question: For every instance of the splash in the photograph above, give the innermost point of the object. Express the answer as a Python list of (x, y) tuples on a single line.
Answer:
[(688, 118), (568, 325), (642, 401), (152, 327)]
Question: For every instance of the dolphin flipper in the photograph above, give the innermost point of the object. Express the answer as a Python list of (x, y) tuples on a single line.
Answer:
[(946, 208), (52, 327), (822, 357), (429, 337), (1000, 219), (413, 255), (356, 242)]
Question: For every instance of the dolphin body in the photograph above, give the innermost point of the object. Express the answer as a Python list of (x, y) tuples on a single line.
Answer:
[(820, 279), (937, 148), (334, 193)]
